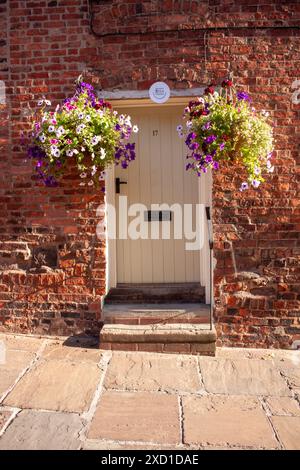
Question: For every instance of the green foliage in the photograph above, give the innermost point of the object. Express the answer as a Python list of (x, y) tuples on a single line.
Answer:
[(224, 127)]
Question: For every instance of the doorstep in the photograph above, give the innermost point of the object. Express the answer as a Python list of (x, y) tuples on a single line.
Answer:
[(146, 314), (169, 338)]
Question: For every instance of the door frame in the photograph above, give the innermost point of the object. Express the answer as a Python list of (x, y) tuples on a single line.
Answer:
[(205, 197)]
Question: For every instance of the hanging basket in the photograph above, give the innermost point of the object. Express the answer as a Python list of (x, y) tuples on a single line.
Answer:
[(223, 127), (84, 130)]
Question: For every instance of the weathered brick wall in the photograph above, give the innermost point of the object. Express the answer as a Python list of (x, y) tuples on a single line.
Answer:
[(53, 269), (256, 233)]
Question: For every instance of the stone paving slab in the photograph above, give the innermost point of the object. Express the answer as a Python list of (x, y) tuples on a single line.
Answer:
[(15, 363), (220, 421), (4, 417), (273, 355), (292, 374), (153, 372), (113, 445), (242, 377), (37, 430), (288, 429), (57, 385), (56, 350), (283, 406), (21, 343), (146, 417)]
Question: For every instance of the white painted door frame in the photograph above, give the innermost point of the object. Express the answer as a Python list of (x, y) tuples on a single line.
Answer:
[(205, 197)]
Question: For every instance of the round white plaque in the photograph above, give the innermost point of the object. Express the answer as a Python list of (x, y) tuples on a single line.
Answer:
[(159, 92)]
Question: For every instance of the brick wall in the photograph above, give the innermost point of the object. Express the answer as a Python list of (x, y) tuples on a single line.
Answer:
[(44, 45)]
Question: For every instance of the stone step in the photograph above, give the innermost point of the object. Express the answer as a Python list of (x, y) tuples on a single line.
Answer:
[(165, 338), (156, 293), (144, 314)]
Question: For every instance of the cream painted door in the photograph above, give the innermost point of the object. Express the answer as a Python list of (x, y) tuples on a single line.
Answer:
[(157, 176)]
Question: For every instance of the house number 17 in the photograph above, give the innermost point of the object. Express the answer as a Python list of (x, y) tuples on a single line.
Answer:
[(155, 133)]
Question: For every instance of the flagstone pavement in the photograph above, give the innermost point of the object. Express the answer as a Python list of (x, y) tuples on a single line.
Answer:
[(64, 394)]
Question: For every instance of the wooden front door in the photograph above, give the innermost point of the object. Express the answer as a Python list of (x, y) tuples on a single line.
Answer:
[(157, 176)]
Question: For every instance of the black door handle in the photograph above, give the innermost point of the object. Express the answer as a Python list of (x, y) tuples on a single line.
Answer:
[(118, 185)]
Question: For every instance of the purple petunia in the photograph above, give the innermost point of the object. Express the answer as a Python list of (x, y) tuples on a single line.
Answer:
[(210, 139), (36, 152), (243, 96), (191, 136), (206, 126), (194, 146)]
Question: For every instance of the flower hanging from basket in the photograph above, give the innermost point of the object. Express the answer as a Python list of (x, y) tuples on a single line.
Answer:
[(223, 128), (83, 129)]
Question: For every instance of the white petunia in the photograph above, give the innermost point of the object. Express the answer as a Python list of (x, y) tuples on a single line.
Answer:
[(103, 154), (51, 128), (81, 115), (69, 153), (48, 102), (244, 186), (42, 138), (40, 102), (257, 171), (57, 153), (94, 170), (265, 113), (95, 139), (88, 118), (83, 175), (179, 128), (135, 129), (80, 128), (189, 124), (91, 183), (53, 149), (255, 183)]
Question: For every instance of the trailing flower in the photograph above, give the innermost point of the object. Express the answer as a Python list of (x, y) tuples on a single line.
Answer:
[(83, 129), (224, 127)]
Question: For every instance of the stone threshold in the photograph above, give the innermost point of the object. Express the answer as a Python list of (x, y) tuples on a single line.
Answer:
[(170, 338), (144, 314)]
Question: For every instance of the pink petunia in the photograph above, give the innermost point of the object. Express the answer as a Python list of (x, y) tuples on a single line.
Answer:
[(69, 141), (54, 141), (54, 121)]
